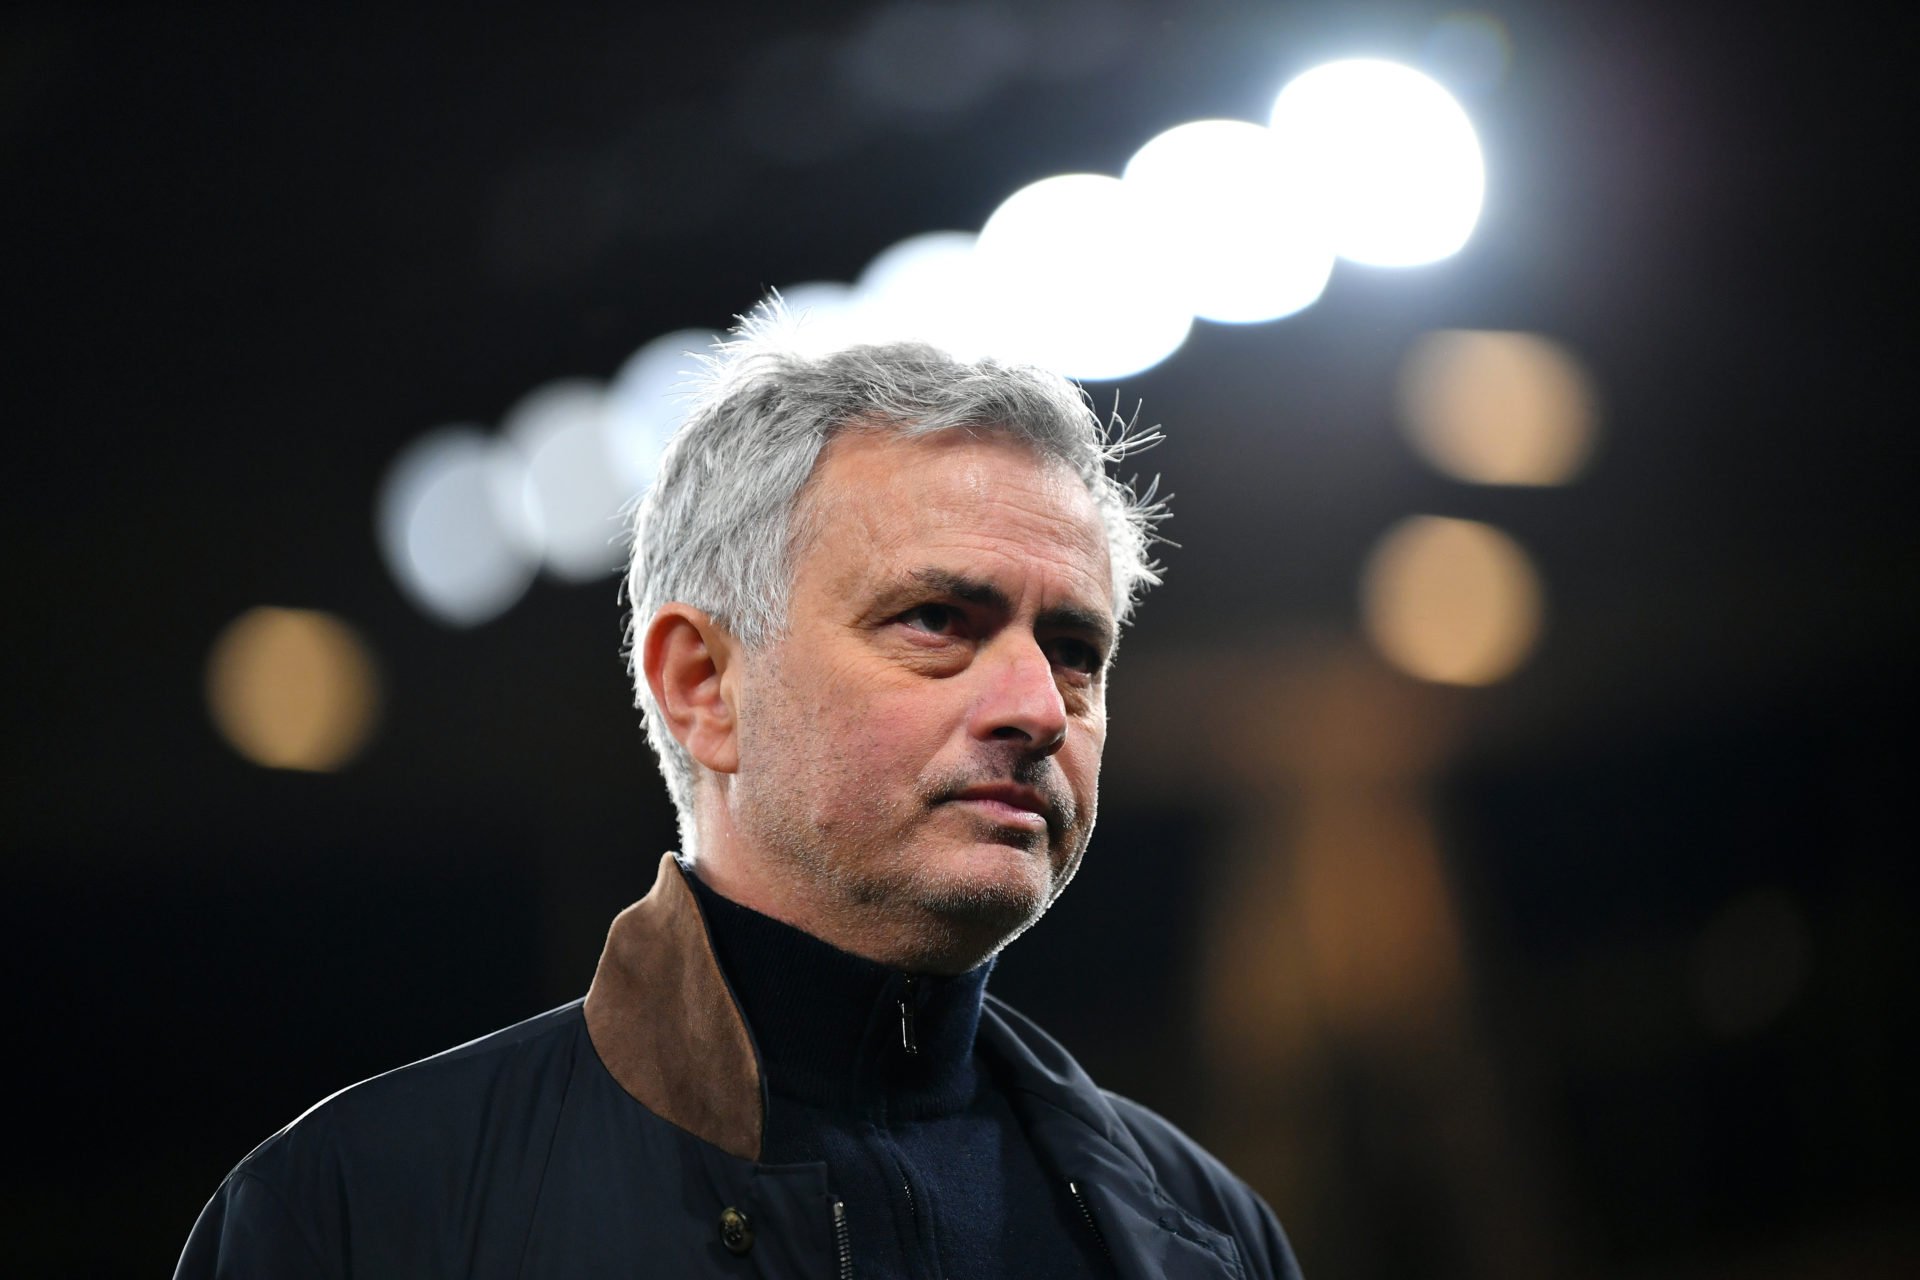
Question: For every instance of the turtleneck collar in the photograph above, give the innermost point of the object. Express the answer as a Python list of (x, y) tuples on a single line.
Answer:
[(838, 1031)]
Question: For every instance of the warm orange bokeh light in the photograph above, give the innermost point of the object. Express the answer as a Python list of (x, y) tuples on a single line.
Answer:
[(292, 689), (1497, 408), (1452, 601)]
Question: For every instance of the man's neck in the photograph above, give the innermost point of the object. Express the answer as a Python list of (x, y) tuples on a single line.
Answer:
[(839, 1031)]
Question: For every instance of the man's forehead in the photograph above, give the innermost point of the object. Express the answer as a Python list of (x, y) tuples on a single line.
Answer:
[(956, 505)]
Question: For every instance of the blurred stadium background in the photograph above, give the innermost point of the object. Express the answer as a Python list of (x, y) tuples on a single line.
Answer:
[(1504, 853)]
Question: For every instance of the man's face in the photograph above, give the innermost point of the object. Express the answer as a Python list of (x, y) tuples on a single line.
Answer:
[(920, 753)]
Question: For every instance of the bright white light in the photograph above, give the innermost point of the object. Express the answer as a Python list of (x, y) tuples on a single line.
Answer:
[(1075, 285), (826, 317), (647, 401), (1391, 157), (560, 429), (1241, 240), (926, 288), (456, 528)]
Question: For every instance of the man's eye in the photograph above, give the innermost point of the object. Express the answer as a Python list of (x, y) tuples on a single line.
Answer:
[(934, 619), (1076, 655)]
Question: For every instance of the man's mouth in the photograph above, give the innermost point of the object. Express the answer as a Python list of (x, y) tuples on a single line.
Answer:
[(1008, 803)]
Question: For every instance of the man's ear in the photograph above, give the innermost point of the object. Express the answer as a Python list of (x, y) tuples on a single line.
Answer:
[(688, 659)]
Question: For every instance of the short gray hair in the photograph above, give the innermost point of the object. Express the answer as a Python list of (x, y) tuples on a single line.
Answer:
[(716, 530)]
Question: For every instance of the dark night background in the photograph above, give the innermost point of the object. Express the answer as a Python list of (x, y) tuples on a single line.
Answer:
[(249, 255)]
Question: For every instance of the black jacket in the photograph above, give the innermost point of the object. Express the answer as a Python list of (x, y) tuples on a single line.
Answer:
[(619, 1135)]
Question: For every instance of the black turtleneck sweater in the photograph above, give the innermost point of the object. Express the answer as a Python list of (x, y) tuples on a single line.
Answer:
[(874, 1072)]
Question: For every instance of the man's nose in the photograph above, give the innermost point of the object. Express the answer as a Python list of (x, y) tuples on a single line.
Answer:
[(1021, 699)]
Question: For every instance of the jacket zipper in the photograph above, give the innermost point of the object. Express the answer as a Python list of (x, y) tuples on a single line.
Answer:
[(908, 1041), (842, 1246), (1073, 1188)]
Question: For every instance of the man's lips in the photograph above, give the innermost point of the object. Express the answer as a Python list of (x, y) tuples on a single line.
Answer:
[(1008, 802)]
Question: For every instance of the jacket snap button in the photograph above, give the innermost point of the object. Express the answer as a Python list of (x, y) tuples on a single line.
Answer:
[(736, 1231)]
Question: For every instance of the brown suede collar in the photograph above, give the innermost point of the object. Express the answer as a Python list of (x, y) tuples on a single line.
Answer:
[(663, 1021)]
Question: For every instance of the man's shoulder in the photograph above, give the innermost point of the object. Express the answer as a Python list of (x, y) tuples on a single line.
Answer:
[(360, 1181), (414, 1112)]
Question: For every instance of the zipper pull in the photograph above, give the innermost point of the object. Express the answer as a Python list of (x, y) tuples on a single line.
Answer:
[(907, 1040)]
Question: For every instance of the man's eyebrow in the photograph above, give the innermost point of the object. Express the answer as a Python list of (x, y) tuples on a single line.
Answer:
[(961, 587), (1063, 617)]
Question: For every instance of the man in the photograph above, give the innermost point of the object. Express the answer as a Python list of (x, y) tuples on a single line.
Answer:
[(876, 595)]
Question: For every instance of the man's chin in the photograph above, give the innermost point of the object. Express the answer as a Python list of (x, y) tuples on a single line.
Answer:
[(988, 896)]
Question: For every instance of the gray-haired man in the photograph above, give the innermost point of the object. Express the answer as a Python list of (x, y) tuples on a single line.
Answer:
[(876, 594)]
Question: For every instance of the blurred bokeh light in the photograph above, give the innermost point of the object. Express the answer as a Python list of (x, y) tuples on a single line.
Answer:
[(561, 430), (456, 525), (926, 287), (1390, 155), (647, 399), (1497, 408), (1077, 287), (292, 689), (1241, 240), (1451, 601), (826, 316)]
